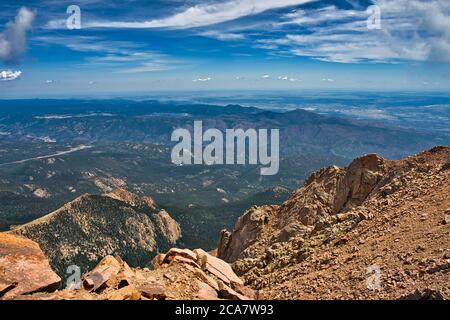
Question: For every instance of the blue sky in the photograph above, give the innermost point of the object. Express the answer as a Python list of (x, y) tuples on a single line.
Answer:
[(142, 46)]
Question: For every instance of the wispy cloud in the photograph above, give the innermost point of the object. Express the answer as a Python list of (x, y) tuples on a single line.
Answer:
[(13, 39), (153, 66), (207, 79), (287, 78), (122, 56), (315, 17), (323, 32), (89, 44), (337, 35), (222, 35), (203, 14)]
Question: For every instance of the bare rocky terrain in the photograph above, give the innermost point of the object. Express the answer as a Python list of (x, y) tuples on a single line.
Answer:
[(177, 275), (345, 226)]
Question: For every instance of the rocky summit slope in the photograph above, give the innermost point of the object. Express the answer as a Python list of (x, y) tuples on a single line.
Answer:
[(376, 229), (179, 274), (91, 227)]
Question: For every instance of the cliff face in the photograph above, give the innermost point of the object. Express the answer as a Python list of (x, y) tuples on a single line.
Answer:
[(375, 214), (91, 227), (325, 194)]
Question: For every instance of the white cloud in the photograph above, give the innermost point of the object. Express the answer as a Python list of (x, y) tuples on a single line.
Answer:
[(205, 14), (202, 79), (13, 39), (222, 35), (286, 78), (328, 80), (266, 76), (9, 75), (326, 14)]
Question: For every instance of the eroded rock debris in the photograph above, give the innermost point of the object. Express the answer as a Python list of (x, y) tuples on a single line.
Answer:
[(178, 274)]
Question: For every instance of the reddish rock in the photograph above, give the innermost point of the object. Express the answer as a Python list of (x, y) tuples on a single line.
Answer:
[(168, 226), (174, 252), (245, 291), (217, 267), (158, 260), (227, 293), (205, 292), (125, 293), (180, 259), (24, 268), (6, 286), (107, 274), (153, 291), (207, 279), (247, 229), (61, 295)]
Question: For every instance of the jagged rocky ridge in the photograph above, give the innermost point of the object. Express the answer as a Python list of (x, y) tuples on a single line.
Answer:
[(91, 227), (179, 274), (375, 214)]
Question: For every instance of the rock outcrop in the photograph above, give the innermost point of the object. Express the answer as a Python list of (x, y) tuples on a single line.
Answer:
[(177, 275), (91, 227), (325, 194), (375, 216), (24, 268)]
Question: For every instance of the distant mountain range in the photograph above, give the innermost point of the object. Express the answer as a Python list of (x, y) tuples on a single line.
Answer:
[(111, 121)]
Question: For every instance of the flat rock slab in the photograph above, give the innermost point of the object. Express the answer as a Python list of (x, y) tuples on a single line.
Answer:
[(24, 266), (174, 252), (153, 291), (217, 267), (108, 273)]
